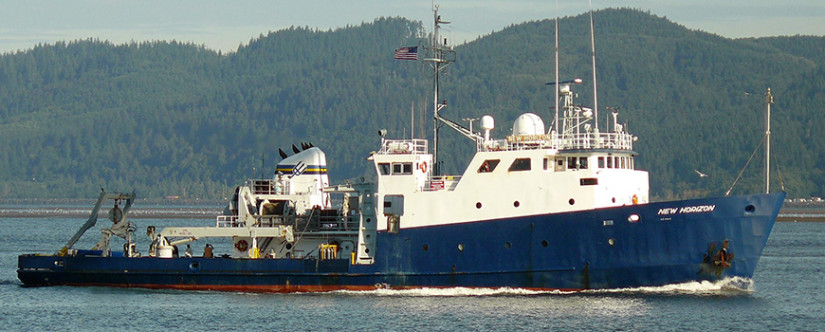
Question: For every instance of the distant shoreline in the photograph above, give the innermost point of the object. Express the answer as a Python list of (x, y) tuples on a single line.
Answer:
[(806, 214), (800, 219), (43, 202), (206, 212), (211, 211)]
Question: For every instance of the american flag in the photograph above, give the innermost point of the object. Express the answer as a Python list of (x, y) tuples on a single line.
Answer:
[(407, 53)]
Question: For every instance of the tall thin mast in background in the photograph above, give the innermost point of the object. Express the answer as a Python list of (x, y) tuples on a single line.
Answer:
[(593, 56), (556, 86), (412, 120), (768, 102)]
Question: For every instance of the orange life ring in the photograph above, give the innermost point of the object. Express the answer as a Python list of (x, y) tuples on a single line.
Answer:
[(242, 245), (423, 167)]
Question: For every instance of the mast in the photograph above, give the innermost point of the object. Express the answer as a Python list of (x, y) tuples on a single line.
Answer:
[(439, 56), (557, 70), (768, 102), (593, 56), (412, 120)]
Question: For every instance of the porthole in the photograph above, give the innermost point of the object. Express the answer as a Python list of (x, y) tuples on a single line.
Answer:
[(516, 204), (194, 267), (750, 208), (367, 250), (544, 243), (461, 247), (572, 201), (478, 205), (368, 236), (508, 244), (611, 241), (425, 247), (368, 220), (289, 246)]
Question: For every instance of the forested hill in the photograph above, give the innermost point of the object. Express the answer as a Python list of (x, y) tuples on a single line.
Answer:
[(166, 118)]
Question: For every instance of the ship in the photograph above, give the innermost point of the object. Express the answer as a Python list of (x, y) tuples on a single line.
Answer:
[(558, 208)]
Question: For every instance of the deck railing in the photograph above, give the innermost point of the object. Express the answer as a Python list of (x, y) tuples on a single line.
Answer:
[(269, 187), (403, 146), (323, 221), (580, 141), (616, 141)]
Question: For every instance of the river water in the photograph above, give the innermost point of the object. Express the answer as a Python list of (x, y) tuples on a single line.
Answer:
[(787, 293)]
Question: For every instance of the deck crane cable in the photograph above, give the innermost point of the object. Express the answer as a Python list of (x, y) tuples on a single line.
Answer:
[(779, 171)]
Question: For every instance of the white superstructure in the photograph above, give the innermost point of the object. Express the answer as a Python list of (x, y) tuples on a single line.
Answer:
[(526, 173)]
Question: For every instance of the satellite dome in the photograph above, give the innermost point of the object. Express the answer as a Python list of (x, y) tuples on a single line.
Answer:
[(528, 124), (487, 122)]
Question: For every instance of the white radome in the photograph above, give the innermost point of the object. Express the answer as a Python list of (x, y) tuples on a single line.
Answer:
[(528, 124)]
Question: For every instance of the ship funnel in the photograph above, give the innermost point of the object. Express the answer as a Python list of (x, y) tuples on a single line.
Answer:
[(305, 172)]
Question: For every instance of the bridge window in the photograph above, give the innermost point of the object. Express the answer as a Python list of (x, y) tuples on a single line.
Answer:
[(520, 164), (583, 162), (488, 166), (609, 162), (601, 162), (576, 162), (401, 168), (384, 168)]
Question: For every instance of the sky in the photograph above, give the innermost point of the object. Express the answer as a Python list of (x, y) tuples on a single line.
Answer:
[(224, 25)]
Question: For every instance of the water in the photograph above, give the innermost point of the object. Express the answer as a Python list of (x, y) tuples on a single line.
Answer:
[(786, 294)]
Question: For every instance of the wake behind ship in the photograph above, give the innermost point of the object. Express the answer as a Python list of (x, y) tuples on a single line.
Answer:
[(557, 209)]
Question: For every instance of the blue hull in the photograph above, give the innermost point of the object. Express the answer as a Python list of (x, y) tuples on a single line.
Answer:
[(641, 245)]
